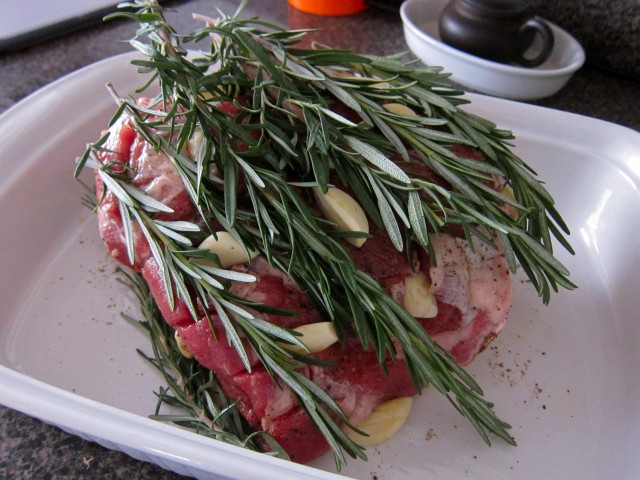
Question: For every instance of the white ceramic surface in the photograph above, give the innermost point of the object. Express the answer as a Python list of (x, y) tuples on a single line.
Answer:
[(420, 22), (565, 376)]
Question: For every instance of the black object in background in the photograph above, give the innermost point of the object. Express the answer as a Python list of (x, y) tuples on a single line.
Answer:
[(27, 22), (391, 5)]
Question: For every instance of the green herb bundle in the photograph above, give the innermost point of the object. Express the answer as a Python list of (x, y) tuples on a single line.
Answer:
[(306, 114)]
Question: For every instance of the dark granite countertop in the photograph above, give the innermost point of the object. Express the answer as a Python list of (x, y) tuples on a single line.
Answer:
[(31, 449)]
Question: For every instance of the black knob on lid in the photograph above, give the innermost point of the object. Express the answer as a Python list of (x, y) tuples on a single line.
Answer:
[(497, 7)]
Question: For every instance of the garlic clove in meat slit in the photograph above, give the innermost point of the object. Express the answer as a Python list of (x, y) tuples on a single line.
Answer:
[(227, 248), (399, 109), (419, 301), (195, 143), (181, 346), (384, 422), (342, 209), (382, 86), (510, 210), (316, 336)]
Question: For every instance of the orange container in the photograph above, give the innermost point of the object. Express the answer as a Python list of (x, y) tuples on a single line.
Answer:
[(329, 7)]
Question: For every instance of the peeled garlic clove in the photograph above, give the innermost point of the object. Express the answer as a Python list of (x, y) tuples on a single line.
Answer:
[(181, 346), (195, 143), (399, 109), (228, 250), (343, 210), (206, 96), (510, 210), (418, 299), (384, 422), (316, 336), (381, 85)]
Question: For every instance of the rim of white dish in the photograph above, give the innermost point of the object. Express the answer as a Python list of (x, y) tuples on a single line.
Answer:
[(526, 72)]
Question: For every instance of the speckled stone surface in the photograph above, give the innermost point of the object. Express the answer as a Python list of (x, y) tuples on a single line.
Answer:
[(608, 30), (30, 449)]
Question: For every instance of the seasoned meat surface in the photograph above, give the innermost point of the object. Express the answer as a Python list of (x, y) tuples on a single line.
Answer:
[(471, 286)]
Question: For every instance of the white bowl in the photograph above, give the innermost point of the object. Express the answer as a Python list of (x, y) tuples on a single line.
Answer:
[(420, 21)]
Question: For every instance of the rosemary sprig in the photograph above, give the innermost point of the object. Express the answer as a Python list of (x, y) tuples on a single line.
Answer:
[(302, 113), (194, 397)]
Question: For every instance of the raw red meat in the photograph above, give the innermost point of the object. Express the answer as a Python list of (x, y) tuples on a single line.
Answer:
[(152, 172), (472, 289)]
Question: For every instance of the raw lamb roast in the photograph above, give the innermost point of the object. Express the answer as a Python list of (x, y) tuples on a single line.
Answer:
[(471, 286)]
